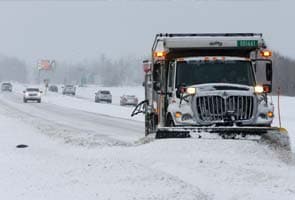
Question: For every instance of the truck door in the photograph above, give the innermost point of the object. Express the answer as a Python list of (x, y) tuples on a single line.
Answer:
[(170, 84)]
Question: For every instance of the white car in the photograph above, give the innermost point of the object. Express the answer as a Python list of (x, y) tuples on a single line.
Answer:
[(128, 100), (103, 95), (32, 94)]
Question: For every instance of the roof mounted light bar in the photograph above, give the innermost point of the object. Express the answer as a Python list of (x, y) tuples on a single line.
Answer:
[(208, 34), (210, 44)]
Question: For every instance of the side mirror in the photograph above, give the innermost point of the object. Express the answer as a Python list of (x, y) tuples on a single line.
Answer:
[(41, 91), (268, 71)]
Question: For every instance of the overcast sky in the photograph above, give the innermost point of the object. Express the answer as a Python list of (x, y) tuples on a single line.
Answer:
[(77, 30)]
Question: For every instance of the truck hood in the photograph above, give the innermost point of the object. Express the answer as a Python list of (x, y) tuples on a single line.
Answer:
[(222, 86)]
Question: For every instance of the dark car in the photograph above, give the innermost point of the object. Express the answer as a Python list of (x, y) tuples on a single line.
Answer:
[(53, 88), (69, 90), (6, 87), (128, 100), (103, 95)]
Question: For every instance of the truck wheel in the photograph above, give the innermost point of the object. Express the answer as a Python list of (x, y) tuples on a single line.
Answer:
[(151, 121), (25, 101), (147, 125), (39, 101)]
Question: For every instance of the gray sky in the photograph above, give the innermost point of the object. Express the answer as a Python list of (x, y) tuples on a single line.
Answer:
[(73, 31)]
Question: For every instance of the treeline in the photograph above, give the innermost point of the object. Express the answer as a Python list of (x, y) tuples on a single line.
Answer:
[(103, 71), (12, 69), (283, 75)]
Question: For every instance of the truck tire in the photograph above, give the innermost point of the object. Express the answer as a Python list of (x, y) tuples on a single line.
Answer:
[(147, 125), (151, 121)]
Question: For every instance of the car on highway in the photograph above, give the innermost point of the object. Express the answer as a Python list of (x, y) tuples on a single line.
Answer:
[(32, 94), (69, 90), (53, 88), (103, 96), (131, 100), (6, 87)]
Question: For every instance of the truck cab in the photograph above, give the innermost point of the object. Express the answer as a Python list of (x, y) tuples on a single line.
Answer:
[(213, 90)]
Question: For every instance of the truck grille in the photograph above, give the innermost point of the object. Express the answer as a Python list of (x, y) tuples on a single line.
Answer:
[(216, 108)]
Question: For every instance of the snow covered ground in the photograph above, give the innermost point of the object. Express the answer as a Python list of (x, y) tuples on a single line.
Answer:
[(78, 149)]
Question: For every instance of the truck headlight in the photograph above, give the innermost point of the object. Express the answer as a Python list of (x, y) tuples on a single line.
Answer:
[(191, 90), (258, 89)]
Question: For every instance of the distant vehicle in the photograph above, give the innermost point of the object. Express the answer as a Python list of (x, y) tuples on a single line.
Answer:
[(69, 90), (32, 94), (6, 87), (128, 100), (103, 95), (53, 88)]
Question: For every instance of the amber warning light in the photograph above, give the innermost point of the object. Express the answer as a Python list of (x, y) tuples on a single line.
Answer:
[(266, 53), (160, 54)]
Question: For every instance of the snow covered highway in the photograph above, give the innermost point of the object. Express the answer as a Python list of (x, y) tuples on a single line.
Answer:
[(73, 124), (78, 149)]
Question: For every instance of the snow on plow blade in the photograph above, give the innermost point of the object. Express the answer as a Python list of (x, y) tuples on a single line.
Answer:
[(272, 135)]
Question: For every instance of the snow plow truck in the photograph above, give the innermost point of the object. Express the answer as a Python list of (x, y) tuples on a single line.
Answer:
[(213, 85)]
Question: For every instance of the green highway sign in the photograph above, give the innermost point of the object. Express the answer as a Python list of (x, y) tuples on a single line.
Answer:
[(247, 43)]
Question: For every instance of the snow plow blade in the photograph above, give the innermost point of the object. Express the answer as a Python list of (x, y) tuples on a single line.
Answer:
[(275, 136)]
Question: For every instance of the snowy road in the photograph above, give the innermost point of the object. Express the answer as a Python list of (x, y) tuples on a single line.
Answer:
[(71, 124), (88, 166), (76, 153)]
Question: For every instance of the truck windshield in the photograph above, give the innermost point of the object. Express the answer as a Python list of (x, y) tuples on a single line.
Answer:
[(202, 72)]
